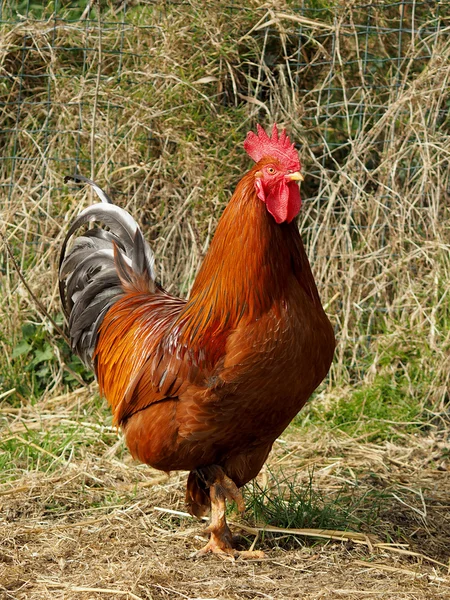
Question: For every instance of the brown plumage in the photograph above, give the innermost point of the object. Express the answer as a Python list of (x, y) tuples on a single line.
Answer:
[(206, 385)]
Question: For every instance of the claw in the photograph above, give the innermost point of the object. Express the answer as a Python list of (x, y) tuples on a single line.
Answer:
[(218, 545), (250, 555), (226, 552)]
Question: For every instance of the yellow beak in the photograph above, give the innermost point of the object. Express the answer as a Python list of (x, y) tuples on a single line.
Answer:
[(297, 176)]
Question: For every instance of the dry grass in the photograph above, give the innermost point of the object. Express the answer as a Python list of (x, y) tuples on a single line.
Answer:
[(154, 104), (89, 523), (156, 109)]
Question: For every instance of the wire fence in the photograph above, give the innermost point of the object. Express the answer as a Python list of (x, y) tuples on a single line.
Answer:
[(153, 99)]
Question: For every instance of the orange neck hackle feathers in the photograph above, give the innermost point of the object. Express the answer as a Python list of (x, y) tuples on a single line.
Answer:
[(244, 273)]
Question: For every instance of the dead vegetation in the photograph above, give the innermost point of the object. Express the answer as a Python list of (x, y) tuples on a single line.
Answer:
[(153, 101), (87, 522)]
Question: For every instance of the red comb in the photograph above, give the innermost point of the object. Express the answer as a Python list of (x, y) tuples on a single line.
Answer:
[(280, 147)]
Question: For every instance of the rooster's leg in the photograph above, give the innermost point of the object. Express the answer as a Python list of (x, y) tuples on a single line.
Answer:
[(221, 539)]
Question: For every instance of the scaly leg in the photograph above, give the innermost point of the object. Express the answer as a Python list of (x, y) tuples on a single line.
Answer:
[(221, 539)]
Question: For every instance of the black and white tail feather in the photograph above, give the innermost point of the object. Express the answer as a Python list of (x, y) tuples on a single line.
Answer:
[(101, 265)]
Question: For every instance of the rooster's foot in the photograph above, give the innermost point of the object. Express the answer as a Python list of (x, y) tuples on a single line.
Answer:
[(221, 548), (219, 544)]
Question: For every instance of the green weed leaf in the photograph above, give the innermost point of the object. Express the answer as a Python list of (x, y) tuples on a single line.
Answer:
[(20, 349)]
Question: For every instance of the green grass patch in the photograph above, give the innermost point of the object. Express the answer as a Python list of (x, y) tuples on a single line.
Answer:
[(52, 444), (397, 398), (293, 503)]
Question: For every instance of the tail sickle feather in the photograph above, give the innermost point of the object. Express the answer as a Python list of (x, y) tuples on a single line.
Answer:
[(100, 267)]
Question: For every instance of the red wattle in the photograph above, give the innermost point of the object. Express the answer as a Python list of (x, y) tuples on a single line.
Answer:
[(283, 201), (295, 201)]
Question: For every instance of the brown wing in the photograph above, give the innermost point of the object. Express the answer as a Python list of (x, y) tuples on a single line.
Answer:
[(162, 376), (132, 369)]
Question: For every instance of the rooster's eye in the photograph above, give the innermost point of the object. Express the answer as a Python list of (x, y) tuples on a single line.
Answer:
[(270, 170)]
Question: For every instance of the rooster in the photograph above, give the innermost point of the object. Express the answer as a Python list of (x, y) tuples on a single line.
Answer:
[(205, 384)]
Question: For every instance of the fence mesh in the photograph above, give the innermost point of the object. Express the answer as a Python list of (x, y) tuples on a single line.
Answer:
[(153, 99)]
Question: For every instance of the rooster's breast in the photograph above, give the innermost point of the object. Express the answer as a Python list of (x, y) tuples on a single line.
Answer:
[(273, 365)]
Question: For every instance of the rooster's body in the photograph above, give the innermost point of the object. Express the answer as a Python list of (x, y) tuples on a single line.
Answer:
[(204, 385)]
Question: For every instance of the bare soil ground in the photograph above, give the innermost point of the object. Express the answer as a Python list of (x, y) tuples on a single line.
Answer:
[(86, 522)]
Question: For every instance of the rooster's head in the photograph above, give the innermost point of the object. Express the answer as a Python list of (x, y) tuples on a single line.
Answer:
[(276, 173)]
